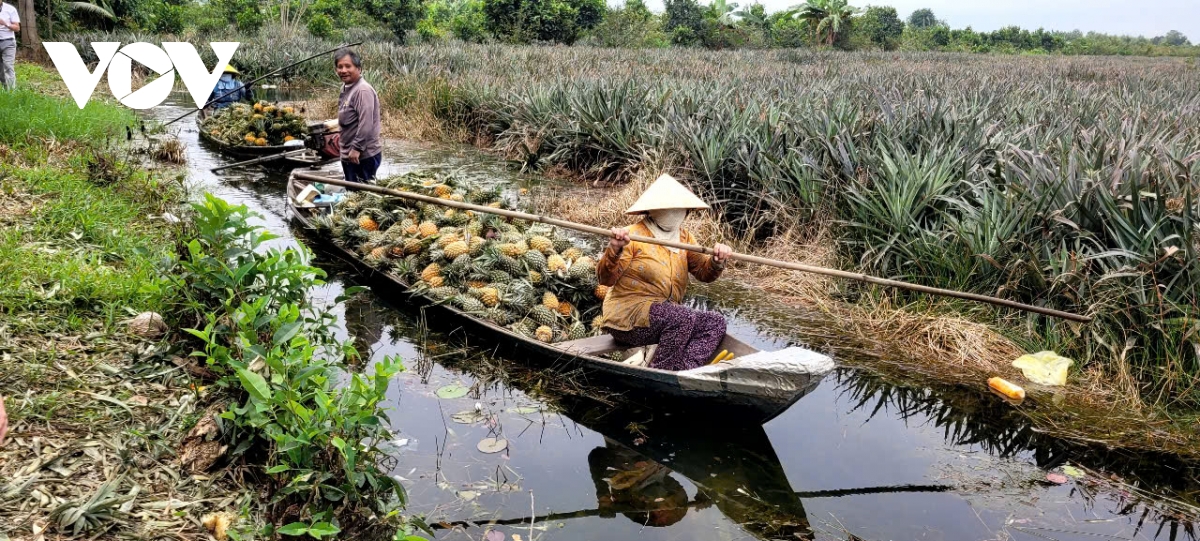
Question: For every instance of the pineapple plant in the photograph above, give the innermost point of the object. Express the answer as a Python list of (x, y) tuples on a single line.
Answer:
[(413, 246), (476, 245), (427, 229), (536, 278), (490, 296), (470, 304), (445, 239), (442, 190), (513, 249), (549, 300), (442, 293), (436, 282)]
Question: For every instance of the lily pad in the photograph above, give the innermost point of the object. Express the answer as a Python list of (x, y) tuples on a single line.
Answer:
[(492, 445), (525, 410), (1072, 472), (468, 417), (454, 390)]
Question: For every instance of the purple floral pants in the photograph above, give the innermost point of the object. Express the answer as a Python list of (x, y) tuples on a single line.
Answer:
[(686, 338)]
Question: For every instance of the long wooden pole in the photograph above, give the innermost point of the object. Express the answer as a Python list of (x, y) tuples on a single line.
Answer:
[(257, 79), (272, 157), (701, 249)]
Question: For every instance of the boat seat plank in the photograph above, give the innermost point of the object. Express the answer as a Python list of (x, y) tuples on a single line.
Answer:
[(592, 345)]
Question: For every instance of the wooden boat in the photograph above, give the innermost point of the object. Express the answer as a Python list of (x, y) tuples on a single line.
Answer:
[(311, 158), (753, 388)]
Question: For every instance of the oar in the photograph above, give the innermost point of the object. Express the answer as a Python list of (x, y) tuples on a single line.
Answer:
[(257, 79), (701, 249), (262, 159)]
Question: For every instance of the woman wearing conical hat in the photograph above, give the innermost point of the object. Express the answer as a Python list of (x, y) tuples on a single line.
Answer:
[(648, 281)]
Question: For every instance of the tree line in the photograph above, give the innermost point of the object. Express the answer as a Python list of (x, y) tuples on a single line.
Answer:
[(720, 24)]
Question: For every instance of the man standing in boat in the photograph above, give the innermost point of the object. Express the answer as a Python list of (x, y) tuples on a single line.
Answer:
[(358, 119), (648, 281)]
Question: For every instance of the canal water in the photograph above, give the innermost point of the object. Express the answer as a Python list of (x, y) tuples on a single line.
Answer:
[(857, 458)]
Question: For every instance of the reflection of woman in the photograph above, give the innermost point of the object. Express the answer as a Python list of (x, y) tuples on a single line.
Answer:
[(648, 281), (635, 486)]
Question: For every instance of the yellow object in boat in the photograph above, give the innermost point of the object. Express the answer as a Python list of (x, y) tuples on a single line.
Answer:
[(720, 356)]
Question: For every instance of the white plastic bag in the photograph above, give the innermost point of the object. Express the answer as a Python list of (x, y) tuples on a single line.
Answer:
[(1044, 367)]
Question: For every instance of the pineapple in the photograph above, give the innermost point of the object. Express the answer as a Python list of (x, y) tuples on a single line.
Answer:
[(499, 316), (598, 322), (427, 229), (564, 308), (562, 244), (499, 277), (490, 296), (475, 245), (436, 282), (544, 333), (470, 304), (442, 190), (535, 260), (446, 240), (365, 221), (457, 197), (549, 300), (601, 292), (582, 269), (455, 249), (411, 229), (397, 250), (536, 278), (476, 284), (572, 253), (543, 316), (556, 263), (512, 249), (441, 293), (431, 271), (541, 244), (412, 246), (577, 331), (378, 253)]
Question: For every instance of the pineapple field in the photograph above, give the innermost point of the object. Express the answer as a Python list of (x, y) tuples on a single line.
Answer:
[(530, 278)]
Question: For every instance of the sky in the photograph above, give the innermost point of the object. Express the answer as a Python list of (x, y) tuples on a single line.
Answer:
[(1146, 17)]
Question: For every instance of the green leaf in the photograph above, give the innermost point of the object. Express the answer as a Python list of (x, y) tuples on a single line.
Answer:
[(454, 390), (322, 529), (254, 384), (278, 468), (286, 332), (295, 528)]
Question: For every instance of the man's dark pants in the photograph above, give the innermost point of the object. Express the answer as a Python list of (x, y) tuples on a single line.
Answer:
[(364, 170)]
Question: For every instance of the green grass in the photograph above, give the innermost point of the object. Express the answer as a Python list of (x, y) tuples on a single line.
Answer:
[(33, 114), (73, 249)]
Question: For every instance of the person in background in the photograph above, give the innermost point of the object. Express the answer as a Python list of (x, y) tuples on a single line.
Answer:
[(3, 422), (10, 24), (358, 119), (648, 281), (229, 90)]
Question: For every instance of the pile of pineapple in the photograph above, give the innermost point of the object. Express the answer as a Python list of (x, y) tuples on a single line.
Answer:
[(529, 278), (261, 125)]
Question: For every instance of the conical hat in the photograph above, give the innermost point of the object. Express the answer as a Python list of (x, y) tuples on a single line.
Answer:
[(666, 193)]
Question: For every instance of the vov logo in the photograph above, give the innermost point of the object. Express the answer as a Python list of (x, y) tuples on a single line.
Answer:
[(177, 56)]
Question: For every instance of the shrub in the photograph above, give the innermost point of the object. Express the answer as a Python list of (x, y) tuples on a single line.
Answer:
[(250, 20), (320, 25)]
